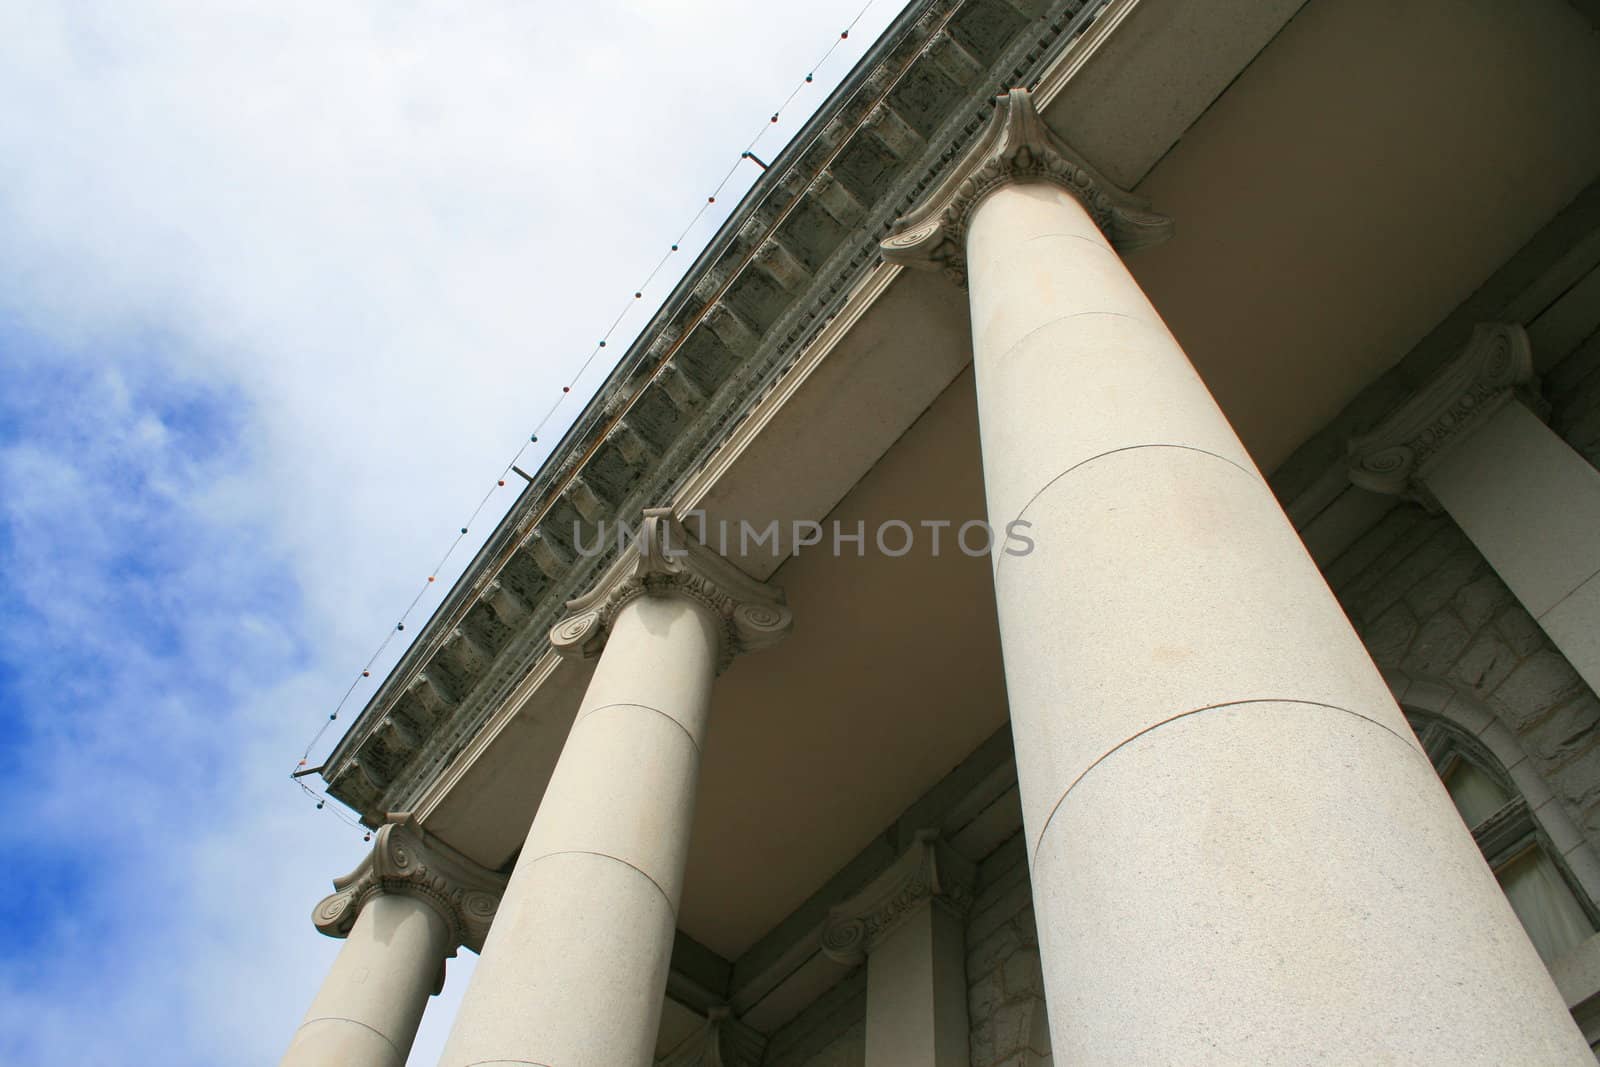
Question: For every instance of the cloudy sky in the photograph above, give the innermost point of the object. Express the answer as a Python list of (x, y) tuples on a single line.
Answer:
[(281, 288)]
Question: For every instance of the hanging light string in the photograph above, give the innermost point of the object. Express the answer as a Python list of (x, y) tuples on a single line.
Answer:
[(633, 301)]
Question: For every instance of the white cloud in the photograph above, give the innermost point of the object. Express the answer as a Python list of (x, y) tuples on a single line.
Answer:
[(280, 289)]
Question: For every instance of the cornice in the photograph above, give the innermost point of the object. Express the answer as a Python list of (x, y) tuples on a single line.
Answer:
[(682, 391), (404, 859), (662, 561), (722, 1042), (1015, 147), (929, 872), (1396, 456)]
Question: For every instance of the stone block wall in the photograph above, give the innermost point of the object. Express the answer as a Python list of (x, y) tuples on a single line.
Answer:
[(1005, 990), (831, 1032), (1425, 601)]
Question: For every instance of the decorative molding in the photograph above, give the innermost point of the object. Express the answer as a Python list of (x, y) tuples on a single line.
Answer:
[(686, 412), (1017, 146), (723, 1042), (1495, 366), (930, 871), (664, 560), (404, 859)]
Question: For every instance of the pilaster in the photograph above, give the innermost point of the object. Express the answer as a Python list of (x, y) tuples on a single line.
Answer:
[(929, 872), (1494, 369), (909, 926), (1473, 443)]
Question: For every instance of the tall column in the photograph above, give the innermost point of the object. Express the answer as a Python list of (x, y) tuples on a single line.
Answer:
[(1239, 851), (909, 926), (575, 969), (402, 912), (1472, 442)]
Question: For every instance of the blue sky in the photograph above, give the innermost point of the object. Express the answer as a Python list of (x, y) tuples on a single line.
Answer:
[(281, 288)]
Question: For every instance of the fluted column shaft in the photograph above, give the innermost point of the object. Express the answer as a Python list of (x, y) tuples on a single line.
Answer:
[(367, 1011), (1238, 849), (575, 967)]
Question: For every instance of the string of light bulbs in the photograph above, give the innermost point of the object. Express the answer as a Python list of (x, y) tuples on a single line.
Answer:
[(299, 772)]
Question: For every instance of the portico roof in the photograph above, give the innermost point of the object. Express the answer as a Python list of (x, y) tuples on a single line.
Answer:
[(1323, 233)]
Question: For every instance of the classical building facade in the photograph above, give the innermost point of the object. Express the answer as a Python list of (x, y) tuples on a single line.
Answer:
[(1098, 562)]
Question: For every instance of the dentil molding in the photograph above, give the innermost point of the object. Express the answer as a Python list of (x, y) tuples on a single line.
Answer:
[(664, 560), (929, 872), (405, 859), (1016, 146), (1495, 367)]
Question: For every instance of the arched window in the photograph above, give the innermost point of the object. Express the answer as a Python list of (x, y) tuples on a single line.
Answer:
[(1554, 910)]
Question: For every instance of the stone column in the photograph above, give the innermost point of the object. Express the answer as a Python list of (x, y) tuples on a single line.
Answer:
[(402, 912), (1473, 441), (1239, 851), (574, 972), (909, 926)]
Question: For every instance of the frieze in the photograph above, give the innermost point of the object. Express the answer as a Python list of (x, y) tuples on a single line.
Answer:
[(702, 412)]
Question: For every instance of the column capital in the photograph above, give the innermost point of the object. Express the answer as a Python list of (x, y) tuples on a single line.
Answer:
[(664, 560), (1016, 146), (405, 859), (1495, 365), (929, 871)]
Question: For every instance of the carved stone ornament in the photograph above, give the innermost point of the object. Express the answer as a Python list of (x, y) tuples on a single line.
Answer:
[(404, 859), (1016, 146), (930, 872), (1394, 458), (664, 560)]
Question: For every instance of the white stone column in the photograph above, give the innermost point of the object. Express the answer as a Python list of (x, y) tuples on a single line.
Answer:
[(909, 926), (402, 912), (1471, 442), (1239, 851), (575, 969)]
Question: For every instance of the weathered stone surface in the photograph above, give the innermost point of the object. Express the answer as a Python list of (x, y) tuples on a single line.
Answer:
[(1390, 635), (1539, 683), (1439, 643), (1481, 599), (1567, 732), (1004, 980), (1485, 664), (1425, 601)]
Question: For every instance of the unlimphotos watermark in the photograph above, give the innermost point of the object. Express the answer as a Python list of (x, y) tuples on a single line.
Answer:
[(892, 537)]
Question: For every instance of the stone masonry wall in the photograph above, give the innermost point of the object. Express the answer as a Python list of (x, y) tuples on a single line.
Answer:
[(1005, 991), (1425, 601)]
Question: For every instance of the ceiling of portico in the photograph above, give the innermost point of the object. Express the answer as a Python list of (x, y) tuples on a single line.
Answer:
[(1369, 169), (1365, 174), (1353, 185)]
